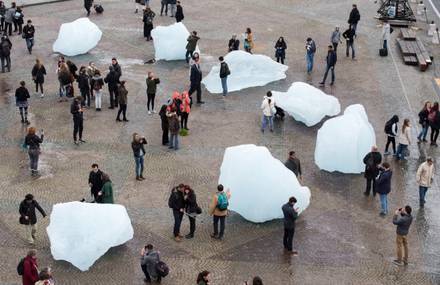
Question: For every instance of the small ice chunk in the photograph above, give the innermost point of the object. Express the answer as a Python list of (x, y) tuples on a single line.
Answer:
[(259, 183), (342, 142), (306, 103), (247, 70)]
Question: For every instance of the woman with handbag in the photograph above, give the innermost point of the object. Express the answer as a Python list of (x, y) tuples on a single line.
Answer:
[(191, 209), (33, 142)]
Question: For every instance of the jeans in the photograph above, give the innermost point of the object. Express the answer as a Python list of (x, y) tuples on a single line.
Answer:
[(188, 55), (77, 128), (34, 154), (224, 85), (63, 90), (23, 113), (309, 58), (150, 100), (98, 95), (222, 225), (173, 10), (29, 44), (265, 120), (178, 216), (6, 62), (354, 27), (139, 160), (123, 110), (422, 194), (423, 132), (332, 68), (401, 150), (174, 141), (371, 181), (434, 135), (384, 203), (198, 88), (391, 140), (8, 28), (402, 248), (288, 238), (347, 51)]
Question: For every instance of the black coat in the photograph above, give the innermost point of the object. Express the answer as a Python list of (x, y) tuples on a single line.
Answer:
[(176, 200), (354, 17), (117, 69), (349, 35), (372, 161), (28, 31), (88, 4), (83, 82), (28, 209), (331, 58), (137, 147), (290, 216), (38, 73), (294, 165), (179, 13), (233, 44), (435, 124), (164, 120), (280, 49), (5, 47), (112, 79), (196, 75), (75, 110), (191, 203), (96, 180), (383, 182), (224, 70), (33, 141), (21, 94), (423, 117)]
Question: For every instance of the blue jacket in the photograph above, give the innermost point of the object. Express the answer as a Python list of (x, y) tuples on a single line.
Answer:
[(383, 182)]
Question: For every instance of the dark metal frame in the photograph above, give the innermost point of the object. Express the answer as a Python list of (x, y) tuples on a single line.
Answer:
[(403, 10)]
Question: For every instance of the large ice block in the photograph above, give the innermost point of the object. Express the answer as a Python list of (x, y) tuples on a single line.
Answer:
[(77, 37), (80, 233), (259, 183), (306, 103), (247, 70), (342, 142)]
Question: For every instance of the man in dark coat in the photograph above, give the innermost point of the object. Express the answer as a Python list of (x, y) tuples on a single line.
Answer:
[(5, 53), (77, 115), (28, 35), (196, 79), (331, 62), (371, 161), (349, 36), (294, 164), (95, 182), (88, 5), (112, 80), (28, 216), (179, 12), (354, 17), (383, 186), (290, 216), (177, 203), (234, 43)]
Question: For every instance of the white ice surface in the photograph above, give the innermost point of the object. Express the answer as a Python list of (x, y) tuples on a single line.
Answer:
[(259, 183), (306, 103), (80, 233), (247, 70), (170, 42), (77, 37), (342, 142)]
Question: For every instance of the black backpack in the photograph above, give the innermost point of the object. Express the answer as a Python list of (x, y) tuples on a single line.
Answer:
[(162, 269), (99, 9), (6, 49), (20, 267), (389, 127)]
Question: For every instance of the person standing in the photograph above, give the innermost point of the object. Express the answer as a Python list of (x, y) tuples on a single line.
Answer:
[(137, 145), (196, 79), (219, 210), (173, 124), (21, 101), (383, 186), (95, 182), (164, 124), (280, 50), (28, 216), (91, 68), (354, 18), (84, 87), (191, 45), (88, 5), (117, 68), (107, 190), (391, 132), (191, 209), (248, 41), (234, 44), (176, 202), (163, 5), (2, 16), (38, 73), (335, 38), (5, 53), (152, 83), (148, 23), (9, 19), (123, 100), (424, 122), (203, 278), (331, 62), (294, 164), (28, 35), (149, 260), (64, 78), (179, 13), (112, 79), (98, 82), (77, 114), (434, 123), (349, 35), (32, 141), (268, 107), (19, 20), (290, 215), (185, 108), (402, 219), (372, 161), (424, 177), (172, 4), (404, 140), (310, 54), (386, 33), (30, 268), (224, 73)]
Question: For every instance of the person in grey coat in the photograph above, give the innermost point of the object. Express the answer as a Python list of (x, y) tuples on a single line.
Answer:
[(335, 38), (290, 215), (149, 259), (9, 19), (402, 219)]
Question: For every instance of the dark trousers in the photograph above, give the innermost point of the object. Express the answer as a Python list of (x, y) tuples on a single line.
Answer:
[(222, 225), (86, 97), (20, 28), (188, 55), (41, 87), (77, 128), (165, 138), (2, 23), (6, 62), (280, 58), (434, 134), (392, 141), (8, 28), (184, 120), (178, 216), (147, 276), (88, 11), (335, 46), (332, 69), (162, 6), (198, 88), (150, 101), (113, 97), (370, 182), (192, 225), (123, 110), (288, 238), (23, 113)]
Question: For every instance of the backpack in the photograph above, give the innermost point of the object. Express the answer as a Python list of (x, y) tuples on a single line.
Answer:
[(389, 127), (6, 49), (162, 269), (99, 9), (222, 202), (20, 267)]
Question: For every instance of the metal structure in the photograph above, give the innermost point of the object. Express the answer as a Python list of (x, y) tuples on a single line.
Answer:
[(396, 10)]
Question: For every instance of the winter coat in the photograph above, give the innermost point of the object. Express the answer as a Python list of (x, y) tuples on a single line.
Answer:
[(311, 47), (233, 44), (423, 117), (150, 259), (83, 82), (179, 13), (2, 10), (96, 180), (331, 58), (107, 193), (383, 182), (122, 95), (72, 69), (224, 70), (354, 17), (405, 137), (64, 77), (176, 201), (435, 124), (19, 20), (75, 110), (28, 31), (185, 106), (294, 165), (38, 73), (173, 123), (268, 108), (33, 141), (214, 210), (97, 82), (386, 32), (5, 47), (192, 43), (191, 203), (117, 69), (164, 120), (349, 35), (290, 216), (371, 161), (112, 79), (88, 4), (21, 94), (152, 85), (138, 148), (148, 17), (28, 209), (425, 174), (336, 37), (403, 222), (280, 49), (30, 274), (196, 74)]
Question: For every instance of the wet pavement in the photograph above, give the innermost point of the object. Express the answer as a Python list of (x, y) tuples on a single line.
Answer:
[(340, 237)]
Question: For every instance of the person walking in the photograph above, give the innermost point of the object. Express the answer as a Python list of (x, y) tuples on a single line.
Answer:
[(402, 219), (404, 140), (164, 5), (21, 101), (224, 73), (434, 123), (2, 16), (191, 45), (268, 107), (219, 210), (112, 79), (173, 125), (310, 54), (32, 141), (391, 132), (191, 209), (38, 73), (383, 186), (5, 53), (424, 177), (148, 23), (424, 122), (372, 161), (331, 62), (176, 202), (248, 41), (28, 217), (290, 215), (335, 38), (28, 35), (349, 36), (19, 20), (234, 43), (354, 18), (280, 50), (95, 182), (185, 108), (204, 278), (386, 33), (77, 114), (196, 79), (137, 145), (164, 124), (179, 12), (149, 259), (10, 19), (123, 100), (83, 86), (107, 190), (88, 5), (30, 268), (98, 82), (294, 164), (152, 83)]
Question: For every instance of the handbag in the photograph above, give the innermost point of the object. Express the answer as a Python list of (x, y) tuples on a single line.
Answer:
[(198, 210), (22, 221)]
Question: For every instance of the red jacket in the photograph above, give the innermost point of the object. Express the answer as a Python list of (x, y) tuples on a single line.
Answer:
[(185, 106), (30, 275)]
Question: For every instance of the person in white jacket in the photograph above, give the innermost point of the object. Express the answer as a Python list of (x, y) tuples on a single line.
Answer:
[(404, 140), (386, 33), (268, 107), (424, 176)]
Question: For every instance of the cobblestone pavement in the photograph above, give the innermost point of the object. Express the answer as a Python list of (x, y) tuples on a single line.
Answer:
[(340, 237)]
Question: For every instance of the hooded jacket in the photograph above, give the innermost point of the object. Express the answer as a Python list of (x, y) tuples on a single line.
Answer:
[(268, 108)]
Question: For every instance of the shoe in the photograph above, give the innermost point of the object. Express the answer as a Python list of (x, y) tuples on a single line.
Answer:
[(200, 102), (33, 236), (111, 107), (424, 140), (149, 112), (76, 142), (331, 83), (398, 262), (321, 83), (405, 263), (189, 236), (22, 121), (170, 147), (42, 95), (382, 214), (271, 130), (118, 120), (366, 194), (387, 153), (141, 177), (27, 122), (135, 11), (125, 120), (154, 112), (138, 178), (178, 239), (294, 253), (214, 236), (82, 141)]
